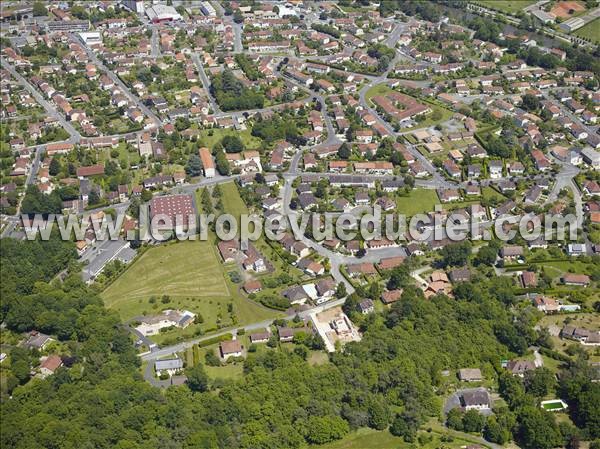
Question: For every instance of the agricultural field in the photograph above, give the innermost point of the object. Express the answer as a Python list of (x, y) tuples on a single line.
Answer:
[(192, 277)]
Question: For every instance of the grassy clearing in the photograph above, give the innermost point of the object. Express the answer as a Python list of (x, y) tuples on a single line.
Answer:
[(193, 277), (373, 439), (507, 6), (590, 31), (209, 137), (573, 266), (418, 201)]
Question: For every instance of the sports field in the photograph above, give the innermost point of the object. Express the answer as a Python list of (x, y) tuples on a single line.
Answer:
[(590, 31), (507, 6)]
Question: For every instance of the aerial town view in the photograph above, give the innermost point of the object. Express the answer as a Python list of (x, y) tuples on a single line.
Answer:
[(294, 224)]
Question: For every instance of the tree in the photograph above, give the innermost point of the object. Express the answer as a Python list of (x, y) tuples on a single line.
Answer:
[(232, 144), (494, 432), (530, 102), (146, 195), (405, 425), (379, 415), (324, 429), (340, 290), (498, 148), (94, 197), (537, 429), (197, 379), (539, 382), (194, 165), (222, 164), (486, 256), (456, 254), (473, 421), (39, 9), (54, 168), (20, 370), (344, 152), (454, 419)]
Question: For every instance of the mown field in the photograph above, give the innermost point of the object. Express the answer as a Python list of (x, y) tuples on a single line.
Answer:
[(590, 31), (507, 6), (192, 275), (419, 201), (373, 439)]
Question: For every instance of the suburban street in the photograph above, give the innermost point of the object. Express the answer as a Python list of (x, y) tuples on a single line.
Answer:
[(50, 109), (115, 79), (205, 83)]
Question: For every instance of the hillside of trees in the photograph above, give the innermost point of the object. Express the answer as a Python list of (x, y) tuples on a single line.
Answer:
[(392, 378)]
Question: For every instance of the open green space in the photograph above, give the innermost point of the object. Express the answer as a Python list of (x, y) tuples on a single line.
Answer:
[(590, 31), (443, 113), (507, 6), (417, 201), (378, 89), (574, 266), (193, 277), (209, 137), (373, 439), (232, 201)]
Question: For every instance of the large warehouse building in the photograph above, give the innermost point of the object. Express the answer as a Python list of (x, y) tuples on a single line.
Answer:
[(162, 13)]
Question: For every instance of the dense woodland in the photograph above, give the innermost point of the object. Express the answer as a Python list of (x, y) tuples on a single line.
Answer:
[(392, 378)]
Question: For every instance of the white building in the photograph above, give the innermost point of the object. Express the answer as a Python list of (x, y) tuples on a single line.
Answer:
[(162, 13), (572, 24), (91, 37), (136, 6), (153, 324), (591, 157), (170, 366)]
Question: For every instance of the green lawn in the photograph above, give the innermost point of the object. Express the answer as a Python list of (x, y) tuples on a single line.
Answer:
[(381, 89), (590, 31), (232, 201), (506, 6), (575, 266), (206, 139), (378, 89), (373, 439), (418, 201), (193, 277), (195, 355), (490, 193), (446, 115), (368, 439)]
